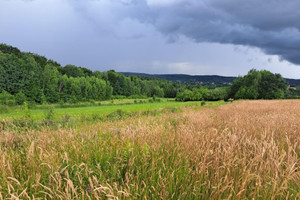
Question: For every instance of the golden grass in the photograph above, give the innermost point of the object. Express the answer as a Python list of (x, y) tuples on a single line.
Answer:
[(244, 150)]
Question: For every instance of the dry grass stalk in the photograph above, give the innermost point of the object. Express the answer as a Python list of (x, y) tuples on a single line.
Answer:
[(244, 150)]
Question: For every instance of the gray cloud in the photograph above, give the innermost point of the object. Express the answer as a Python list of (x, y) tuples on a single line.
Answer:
[(271, 25)]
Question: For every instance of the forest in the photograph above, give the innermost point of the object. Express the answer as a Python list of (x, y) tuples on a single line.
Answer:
[(38, 80), (34, 78)]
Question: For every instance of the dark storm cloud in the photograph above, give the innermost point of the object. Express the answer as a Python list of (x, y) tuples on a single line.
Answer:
[(271, 25)]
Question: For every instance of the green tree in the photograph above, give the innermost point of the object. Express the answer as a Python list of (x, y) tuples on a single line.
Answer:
[(186, 95), (73, 71), (258, 85), (49, 83), (216, 94), (159, 92), (11, 74), (7, 49)]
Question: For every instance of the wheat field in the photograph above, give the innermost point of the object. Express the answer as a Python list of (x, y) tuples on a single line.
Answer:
[(242, 150)]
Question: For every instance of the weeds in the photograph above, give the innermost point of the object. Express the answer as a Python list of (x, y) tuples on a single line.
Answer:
[(27, 112), (49, 117)]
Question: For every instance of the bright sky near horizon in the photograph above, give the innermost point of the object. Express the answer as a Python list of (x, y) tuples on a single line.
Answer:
[(203, 37)]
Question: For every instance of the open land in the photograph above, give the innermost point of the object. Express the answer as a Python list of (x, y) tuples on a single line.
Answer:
[(101, 109), (241, 150)]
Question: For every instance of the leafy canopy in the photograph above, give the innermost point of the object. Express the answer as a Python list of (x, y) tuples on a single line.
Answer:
[(258, 85)]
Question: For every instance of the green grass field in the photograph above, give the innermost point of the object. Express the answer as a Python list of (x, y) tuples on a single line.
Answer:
[(126, 105)]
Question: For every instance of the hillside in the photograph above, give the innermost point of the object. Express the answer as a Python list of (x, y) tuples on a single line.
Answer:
[(200, 79), (30, 77)]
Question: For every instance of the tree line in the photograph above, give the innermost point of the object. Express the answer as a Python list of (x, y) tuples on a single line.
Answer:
[(34, 78), (255, 85)]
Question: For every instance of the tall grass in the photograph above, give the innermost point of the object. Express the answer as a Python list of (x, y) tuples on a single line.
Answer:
[(244, 150)]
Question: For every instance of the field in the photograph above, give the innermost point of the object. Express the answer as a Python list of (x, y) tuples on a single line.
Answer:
[(106, 107), (241, 150)]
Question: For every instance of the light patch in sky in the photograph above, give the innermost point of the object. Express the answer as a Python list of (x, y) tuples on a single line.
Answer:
[(162, 2)]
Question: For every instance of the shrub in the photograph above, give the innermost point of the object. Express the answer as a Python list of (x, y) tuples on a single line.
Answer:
[(216, 94), (4, 109), (92, 102), (49, 114), (137, 97), (6, 98), (27, 112), (154, 98), (20, 98), (117, 115), (65, 120), (43, 99), (118, 97)]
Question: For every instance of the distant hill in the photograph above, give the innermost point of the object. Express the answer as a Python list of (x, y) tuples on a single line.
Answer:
[(293, 82), (200, 79)]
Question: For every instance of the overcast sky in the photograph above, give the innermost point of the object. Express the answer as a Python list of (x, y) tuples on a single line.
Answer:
[(222, 37)]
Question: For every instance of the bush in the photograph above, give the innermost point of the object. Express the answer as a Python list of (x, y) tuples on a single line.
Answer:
[(4, 109), (20, 98), (117, 115), (49, 117), (137, 97), (92, 102), (217, 94), (11, 102), (188, 95), (6, 98), (49, 114), (43, 99), (72, 100), (31, 104), (154, 98), (66, 119), (27, 112), (118, 97)]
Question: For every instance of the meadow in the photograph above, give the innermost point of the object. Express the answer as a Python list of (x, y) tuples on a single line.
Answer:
[(241, 150), (99, 109)]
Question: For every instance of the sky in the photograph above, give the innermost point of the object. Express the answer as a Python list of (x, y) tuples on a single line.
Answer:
[(198, 37)]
